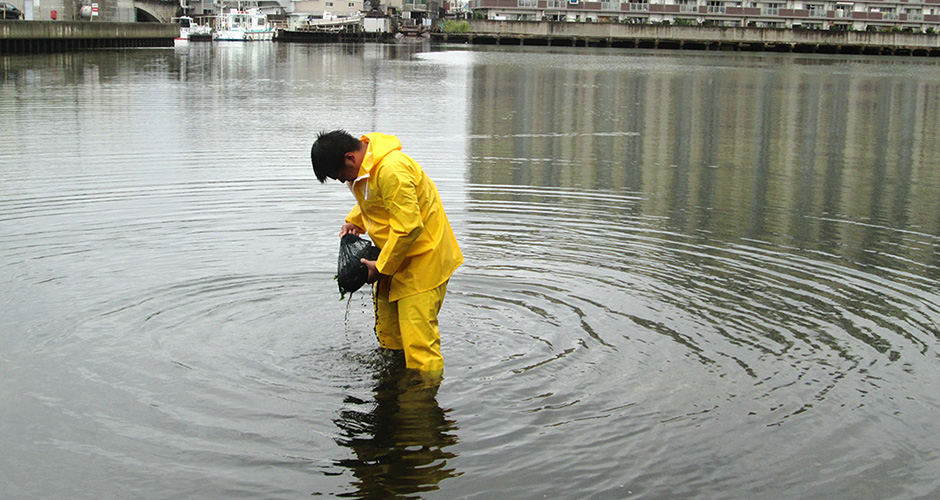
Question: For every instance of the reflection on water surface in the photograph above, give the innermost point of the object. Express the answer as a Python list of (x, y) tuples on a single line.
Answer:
[(399, 438)]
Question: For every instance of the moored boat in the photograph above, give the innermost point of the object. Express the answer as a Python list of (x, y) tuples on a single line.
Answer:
[(243, 26), (190, 29)]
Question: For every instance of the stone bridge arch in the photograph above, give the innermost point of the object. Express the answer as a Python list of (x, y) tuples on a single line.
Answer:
[(161, 11)]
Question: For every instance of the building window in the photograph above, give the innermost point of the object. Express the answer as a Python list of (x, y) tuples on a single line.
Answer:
[(640, 5), (771, 9), (886, 12), (687, 6), (844, 10), (716, 7), (815, 10), (914, 14), (530, 4)]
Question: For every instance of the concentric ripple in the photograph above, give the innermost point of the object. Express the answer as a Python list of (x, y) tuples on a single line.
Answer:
[(617, 330)]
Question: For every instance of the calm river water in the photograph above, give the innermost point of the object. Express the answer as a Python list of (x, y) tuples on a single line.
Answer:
[(688, 275)]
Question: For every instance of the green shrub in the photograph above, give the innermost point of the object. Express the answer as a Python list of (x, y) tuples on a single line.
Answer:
[(453, 26)]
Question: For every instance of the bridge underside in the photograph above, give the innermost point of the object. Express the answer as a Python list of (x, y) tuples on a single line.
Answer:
[(142, 16), (156, 11)]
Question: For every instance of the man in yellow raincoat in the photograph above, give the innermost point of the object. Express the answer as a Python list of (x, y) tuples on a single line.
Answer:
[(399, 207)]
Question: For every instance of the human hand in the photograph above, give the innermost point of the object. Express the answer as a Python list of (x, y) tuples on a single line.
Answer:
[(374, 273), (349, 227)]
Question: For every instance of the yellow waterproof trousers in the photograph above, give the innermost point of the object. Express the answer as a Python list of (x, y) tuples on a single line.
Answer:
[(410, 324)]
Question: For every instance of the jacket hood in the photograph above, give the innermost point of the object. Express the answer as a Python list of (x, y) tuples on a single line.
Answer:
[(379, 145)]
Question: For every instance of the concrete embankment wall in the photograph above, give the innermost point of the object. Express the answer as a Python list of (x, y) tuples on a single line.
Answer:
[(58, 36), (696, 37)]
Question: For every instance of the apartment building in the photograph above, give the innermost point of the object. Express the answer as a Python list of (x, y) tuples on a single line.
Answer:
[(862, 15)]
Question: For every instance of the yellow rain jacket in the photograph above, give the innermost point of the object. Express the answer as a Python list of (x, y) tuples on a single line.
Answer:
[(400, 208)]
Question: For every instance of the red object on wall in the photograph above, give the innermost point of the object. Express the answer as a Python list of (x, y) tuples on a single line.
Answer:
[(53, 14)]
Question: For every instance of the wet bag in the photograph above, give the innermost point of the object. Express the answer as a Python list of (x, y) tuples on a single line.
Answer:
[(350, 273)]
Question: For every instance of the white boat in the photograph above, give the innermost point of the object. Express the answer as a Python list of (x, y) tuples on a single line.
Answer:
[(243, 26), (189, 28), (327, 23)]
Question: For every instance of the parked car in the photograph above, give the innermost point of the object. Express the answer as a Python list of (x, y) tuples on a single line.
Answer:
[(8, 11)]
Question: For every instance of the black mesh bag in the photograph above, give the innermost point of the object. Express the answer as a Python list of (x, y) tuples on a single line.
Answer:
[(350, 273)]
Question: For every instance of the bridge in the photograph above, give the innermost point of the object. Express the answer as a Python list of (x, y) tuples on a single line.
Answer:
[(158, 11), (162, 11)]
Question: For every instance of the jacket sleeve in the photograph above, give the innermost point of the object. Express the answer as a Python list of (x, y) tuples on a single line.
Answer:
[(400, 198), (355, 217)]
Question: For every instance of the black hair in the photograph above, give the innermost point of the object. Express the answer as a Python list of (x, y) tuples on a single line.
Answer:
[(329, 151)]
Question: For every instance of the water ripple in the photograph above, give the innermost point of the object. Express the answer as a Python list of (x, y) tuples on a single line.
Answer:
[(652, 305), (557, 297)]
